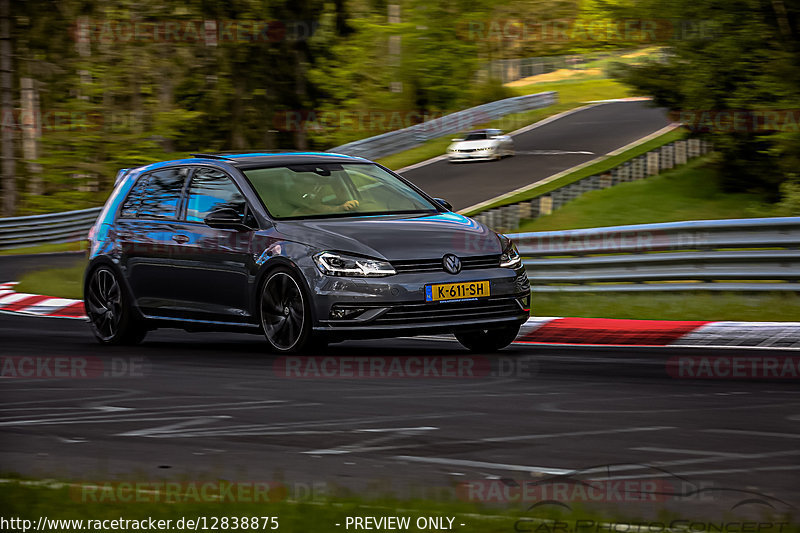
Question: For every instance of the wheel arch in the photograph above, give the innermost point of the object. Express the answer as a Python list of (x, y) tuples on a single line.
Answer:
[(103, 260), (269, 267)]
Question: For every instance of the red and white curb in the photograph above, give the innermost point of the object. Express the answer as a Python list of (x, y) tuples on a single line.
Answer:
[(38, 305), (537, 330), (616, 332)]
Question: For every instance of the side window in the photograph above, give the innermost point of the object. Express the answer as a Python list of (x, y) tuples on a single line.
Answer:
[(210, 190), (162, 194), (131, 204)]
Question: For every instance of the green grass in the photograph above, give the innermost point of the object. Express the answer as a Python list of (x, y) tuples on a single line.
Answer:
[(28, 500), (754, 307), (77, 246), (58, 282), (599, 167), (690, 192), (570, 95)]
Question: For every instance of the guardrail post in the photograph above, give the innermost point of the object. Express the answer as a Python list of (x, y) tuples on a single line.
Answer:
[(490, 218), (535, 210), (558, 198), (513, 217), (693, 148), (668, 156), (524, 210), (652, 162), (545, 205), (637, 168), (680, 152)]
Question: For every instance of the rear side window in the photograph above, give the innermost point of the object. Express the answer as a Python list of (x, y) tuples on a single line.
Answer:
[(156, 195), (212, 189)]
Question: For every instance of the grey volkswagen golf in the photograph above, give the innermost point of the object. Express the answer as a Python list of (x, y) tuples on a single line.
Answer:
[(306, 248)]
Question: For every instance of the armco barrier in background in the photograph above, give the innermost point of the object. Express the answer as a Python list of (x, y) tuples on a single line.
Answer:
[(507, 218), (758, 254), (69, 226), (406, 138), (73, 226)]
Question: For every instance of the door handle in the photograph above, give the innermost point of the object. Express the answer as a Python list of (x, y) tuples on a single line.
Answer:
[(180, 239)]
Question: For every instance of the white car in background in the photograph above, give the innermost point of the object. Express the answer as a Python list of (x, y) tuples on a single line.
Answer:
[(481, 145)]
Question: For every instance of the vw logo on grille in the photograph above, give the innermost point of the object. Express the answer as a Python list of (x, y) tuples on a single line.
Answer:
[(451, 263)]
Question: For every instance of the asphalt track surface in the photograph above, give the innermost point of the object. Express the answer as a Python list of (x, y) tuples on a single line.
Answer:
[(209, 406), (542, 152)]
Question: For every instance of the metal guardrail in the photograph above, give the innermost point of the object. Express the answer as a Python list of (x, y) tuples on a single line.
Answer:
[(760, 254), (69, 226), (708, 255), (406, 138)]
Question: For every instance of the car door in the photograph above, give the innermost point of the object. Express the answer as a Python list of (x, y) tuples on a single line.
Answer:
[(145, 230), (212, 266)]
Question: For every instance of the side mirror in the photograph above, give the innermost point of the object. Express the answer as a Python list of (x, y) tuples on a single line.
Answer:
[(444, 203), (226, 218)]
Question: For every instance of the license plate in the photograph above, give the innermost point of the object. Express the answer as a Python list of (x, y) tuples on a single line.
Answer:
[(456, 291)]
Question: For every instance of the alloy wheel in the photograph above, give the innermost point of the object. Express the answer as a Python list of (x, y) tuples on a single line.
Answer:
[(282, 311), (104, 303)]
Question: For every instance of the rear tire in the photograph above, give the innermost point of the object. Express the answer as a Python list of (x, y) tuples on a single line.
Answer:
[(488, 340), (109, 310)]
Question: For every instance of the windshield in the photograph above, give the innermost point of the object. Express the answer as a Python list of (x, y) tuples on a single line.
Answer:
[(476, 136), (332, 189)]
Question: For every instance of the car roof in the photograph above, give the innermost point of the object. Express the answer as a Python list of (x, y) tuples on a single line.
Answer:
[(246, 160), (485, 130)]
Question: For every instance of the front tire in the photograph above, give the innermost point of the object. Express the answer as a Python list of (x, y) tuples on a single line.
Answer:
[(488, 340), (110, 314), (285, 312)]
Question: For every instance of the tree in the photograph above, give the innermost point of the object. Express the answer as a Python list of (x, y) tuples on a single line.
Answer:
[(9, 177), (726, 56)]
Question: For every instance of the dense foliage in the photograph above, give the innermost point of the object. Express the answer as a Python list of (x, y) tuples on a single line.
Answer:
[(735, 79)]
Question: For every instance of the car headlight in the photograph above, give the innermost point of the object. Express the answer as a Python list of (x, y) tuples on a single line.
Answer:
[(510, 257), (336, 264)]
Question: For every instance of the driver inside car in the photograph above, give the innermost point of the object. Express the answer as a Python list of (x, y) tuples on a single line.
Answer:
[(312, 191)]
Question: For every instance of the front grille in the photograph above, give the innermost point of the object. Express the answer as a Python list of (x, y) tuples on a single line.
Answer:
[(448, 311), (435, 265)]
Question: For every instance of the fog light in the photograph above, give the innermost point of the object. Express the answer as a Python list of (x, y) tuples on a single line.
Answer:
[(343, 313)]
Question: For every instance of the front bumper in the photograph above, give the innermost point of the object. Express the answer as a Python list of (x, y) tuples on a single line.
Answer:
[(395, 305), (455, 157)]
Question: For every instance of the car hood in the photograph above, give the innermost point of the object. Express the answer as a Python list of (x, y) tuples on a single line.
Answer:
[(395, 237), (472, 145)]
